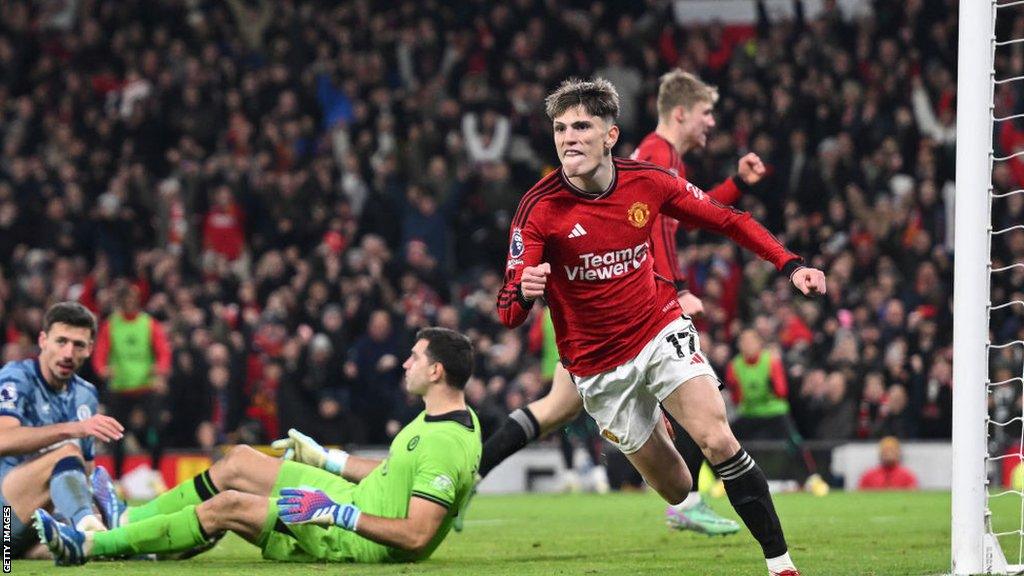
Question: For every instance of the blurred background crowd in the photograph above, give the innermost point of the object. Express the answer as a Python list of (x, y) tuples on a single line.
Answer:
[(291, 189)]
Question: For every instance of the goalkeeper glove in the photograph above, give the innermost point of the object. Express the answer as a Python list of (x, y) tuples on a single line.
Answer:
[(302, 448), (311, 506)]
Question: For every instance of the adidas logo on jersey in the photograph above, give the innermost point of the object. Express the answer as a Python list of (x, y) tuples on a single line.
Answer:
[(577, 231), (696, 359)]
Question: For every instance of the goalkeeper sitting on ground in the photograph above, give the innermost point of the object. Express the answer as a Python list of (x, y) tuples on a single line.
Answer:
[(319, 505)]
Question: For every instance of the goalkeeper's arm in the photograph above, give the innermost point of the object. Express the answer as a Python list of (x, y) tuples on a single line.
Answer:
[(302, 448), (412, 533), (358, 468)]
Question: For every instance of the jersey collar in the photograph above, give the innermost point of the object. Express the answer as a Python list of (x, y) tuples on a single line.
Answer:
[(38, 369), (592, 195), (458, 416)]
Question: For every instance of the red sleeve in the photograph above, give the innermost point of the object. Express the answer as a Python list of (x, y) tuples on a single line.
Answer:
[(526, 248), (778, 374), (733, 384), (692, 207), (101, 351), (535, 339), (161, 347), (726, 193)]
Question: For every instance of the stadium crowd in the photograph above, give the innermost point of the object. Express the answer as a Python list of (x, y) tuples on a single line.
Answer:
[(294, 188)]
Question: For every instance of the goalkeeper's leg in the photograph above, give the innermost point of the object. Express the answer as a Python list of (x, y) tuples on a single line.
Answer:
[(559, 407), (191, 526), (243, 469)]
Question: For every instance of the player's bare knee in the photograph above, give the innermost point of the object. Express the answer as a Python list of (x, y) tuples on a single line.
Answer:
[(238, 459), (717, 442), (242, 453), (67, 449), (212, 513), (222, 503)]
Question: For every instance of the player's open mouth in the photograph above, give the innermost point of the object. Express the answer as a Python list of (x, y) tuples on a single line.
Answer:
[(569, 153)]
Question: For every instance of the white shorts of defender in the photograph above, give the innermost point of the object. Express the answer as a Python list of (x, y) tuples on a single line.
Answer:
[(625, 401)]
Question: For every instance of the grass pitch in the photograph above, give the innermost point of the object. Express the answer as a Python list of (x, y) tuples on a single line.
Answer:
[(844, 533)]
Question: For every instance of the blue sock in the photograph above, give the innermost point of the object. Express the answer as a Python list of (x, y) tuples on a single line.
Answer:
[(69, 489)]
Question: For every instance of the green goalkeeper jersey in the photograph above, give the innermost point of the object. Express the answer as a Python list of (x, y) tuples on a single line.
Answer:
[(434, 457)]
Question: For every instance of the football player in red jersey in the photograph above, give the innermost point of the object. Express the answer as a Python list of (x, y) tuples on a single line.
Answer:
[(685, 117), (580, 239)]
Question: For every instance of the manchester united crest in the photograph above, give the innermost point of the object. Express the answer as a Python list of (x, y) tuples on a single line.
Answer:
[(638, 214)]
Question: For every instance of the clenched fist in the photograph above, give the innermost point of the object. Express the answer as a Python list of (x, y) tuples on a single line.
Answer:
[(534, 280)]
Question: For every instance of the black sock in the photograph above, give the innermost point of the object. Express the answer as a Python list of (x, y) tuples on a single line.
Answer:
[(204, 486), (692, 455), (518, 430), (748, 493)]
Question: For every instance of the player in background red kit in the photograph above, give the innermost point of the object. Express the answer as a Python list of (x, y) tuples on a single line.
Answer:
[(685, 117), (580, 239)]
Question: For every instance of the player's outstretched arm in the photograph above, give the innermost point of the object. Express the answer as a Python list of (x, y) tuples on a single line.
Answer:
[(692, 207), (16, 439), (412, 533)]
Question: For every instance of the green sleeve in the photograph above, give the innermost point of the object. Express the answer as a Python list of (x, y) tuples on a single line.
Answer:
[(438, 470)]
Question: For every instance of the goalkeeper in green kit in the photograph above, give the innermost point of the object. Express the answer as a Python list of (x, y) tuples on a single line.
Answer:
[(317, 504)]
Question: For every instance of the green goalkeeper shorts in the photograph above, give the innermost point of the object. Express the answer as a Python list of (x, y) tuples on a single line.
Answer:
[(310, 542)]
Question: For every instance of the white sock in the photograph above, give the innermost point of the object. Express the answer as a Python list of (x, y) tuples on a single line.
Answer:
[(691, 500), (90, 523), (780, 563)]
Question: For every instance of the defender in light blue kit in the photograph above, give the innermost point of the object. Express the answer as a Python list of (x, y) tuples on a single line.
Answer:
[(48, 427)]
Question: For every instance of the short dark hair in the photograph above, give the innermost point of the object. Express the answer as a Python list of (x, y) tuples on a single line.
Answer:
[(72, 314), (598, 97), (453, 351)]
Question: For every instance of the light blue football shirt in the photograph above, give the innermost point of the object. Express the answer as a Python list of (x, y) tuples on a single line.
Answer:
[(25, 395)]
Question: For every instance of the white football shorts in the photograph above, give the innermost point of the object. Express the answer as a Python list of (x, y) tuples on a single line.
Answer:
[(625, 401)]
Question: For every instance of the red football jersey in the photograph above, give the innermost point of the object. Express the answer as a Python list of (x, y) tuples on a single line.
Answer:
[(657, 150), (605, 299)]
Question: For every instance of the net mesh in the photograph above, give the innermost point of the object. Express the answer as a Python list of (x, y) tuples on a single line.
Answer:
[(1005, 384)]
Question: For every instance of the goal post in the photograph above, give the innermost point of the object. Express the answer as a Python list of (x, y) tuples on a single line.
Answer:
[(974, 549)]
